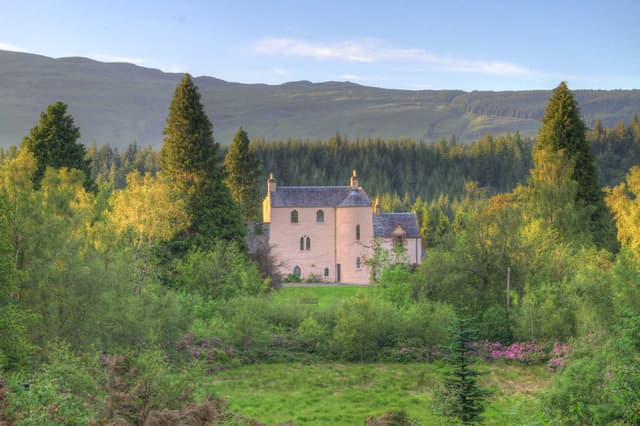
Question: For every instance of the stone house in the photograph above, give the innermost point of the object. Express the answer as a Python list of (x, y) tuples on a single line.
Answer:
[(329, 231)]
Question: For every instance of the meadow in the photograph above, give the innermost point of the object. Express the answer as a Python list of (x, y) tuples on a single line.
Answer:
[(346, 393)]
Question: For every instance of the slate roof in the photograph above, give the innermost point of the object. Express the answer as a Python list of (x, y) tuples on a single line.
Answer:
[(319, 196), (356, 199), (385, 223)]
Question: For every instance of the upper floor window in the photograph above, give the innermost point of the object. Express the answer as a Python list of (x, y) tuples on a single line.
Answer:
[(358, 232), (308, 243), (301, 243), (294, 216), (319, 216)]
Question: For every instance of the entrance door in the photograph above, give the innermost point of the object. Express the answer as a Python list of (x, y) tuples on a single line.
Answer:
[(338, 273)]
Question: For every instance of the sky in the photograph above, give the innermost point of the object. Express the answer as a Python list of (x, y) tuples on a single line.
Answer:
[(415, 45)]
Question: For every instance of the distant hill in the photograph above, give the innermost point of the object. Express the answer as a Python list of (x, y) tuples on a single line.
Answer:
[(118, 103)]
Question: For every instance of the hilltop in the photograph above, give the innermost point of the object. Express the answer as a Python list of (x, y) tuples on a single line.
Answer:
[(118, 103)]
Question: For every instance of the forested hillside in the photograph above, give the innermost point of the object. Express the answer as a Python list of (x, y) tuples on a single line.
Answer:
[(404, 168), (119, 103)]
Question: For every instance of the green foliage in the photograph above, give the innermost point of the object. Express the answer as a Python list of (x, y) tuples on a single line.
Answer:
[(53, 142), (191, 161), (223, 272), (462, 399), (242, 168), (563, 131)]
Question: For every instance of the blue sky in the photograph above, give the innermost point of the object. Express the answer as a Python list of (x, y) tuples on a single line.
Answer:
[(469, 45)]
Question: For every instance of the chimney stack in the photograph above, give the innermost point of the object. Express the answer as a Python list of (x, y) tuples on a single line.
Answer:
[(376, 206), (271, 184), (355, 182)]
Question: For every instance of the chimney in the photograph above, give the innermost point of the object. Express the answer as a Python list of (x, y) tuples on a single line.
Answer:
[(271, 184), (355, 182), (376, 206)]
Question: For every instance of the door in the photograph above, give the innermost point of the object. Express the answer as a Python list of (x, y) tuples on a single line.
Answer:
[(338, 273)]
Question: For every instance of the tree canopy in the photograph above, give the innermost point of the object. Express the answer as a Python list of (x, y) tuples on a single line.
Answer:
[(190, 160), (564, 132), (53, 141), (242, 168)]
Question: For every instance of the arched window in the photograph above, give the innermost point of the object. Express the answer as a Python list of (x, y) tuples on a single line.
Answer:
[(326, 272), (358, 232), (294, 216), (308, 243), (301, 243), (296, 271), (358, 263), (319, 216)]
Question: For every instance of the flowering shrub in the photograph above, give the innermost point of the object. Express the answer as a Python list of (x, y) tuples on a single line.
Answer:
[(526, 352), (559, 354)]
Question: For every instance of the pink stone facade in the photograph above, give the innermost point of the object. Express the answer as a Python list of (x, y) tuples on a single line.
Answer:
[(327, 231)]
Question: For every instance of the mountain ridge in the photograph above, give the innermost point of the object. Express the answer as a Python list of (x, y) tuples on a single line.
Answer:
[(118, 103)]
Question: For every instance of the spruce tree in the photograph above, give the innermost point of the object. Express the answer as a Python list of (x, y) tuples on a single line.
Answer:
[(462, 399), (53, 141), (564, 131), (190, 159), (242, 168)]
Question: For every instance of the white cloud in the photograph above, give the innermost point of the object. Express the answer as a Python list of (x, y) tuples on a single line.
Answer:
[(111, 58), (279, 71), (373, 50), (11, 47)]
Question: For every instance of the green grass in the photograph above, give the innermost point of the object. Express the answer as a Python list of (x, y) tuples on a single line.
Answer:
[(345, 394), (325, 296)]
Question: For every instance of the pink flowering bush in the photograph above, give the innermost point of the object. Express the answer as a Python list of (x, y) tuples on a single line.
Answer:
[(528, 353)]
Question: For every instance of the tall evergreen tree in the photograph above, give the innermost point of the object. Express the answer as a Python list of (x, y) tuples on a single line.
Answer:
[(242, 168), (53, 141), (564, 131), (190, 159), (462, 399)]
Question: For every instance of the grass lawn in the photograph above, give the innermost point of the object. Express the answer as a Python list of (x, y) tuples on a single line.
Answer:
[(325, 296), (345, 394)]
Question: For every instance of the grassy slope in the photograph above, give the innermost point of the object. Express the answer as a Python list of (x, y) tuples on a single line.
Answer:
[(345, 394), (118, 103)]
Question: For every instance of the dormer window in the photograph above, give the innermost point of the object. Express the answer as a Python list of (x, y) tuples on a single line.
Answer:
[(319, 216), (294, 216)]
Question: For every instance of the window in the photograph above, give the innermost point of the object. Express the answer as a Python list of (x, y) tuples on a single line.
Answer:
[(308, 243), (296, 271), (294, 216), (326, 272), (358, 232), (358, 263), (301, 243), (319, 216)]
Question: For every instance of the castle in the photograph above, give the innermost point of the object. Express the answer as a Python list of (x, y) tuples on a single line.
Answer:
[(329, 231)]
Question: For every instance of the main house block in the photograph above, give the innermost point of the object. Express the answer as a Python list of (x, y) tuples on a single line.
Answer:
[(329, 231)]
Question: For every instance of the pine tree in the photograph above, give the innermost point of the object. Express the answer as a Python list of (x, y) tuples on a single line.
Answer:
[(53, 143), (564, 131), (190, 159), (461, 399), (242, 168)]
